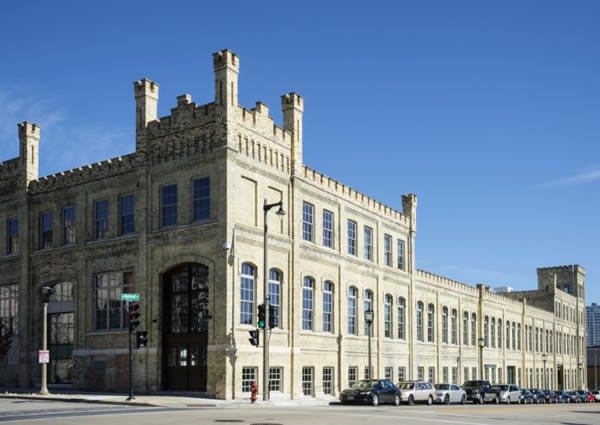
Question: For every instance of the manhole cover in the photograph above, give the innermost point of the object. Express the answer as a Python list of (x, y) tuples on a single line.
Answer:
[(228, 420)]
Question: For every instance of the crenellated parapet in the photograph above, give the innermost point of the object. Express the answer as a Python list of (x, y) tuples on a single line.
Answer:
[(453, 284)]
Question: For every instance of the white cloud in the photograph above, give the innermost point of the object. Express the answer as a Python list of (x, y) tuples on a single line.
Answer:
[(588, 176)]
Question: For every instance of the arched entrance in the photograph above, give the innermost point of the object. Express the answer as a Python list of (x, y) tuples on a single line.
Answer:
[(185, 328), (61, 333)]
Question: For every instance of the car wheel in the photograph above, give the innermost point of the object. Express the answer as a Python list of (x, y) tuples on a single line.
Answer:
[(463, 399), (447, 399), (374, 400), (396, 400), (508, 400), (497, 400), (411, 400), (430, 401)]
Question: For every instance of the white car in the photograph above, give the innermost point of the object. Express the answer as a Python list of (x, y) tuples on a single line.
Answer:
[(508, 393), (596, 395), (450, 393)]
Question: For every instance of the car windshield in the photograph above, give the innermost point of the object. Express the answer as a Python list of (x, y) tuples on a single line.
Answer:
[(442, 386), (365, 384), (406, 385), (501, 387), (470, 384)]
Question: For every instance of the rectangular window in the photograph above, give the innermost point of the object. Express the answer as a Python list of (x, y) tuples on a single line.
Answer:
[(328, 307), (454, 375), (46, 224), (388, 373), (327, 380), (307, 304), (307, 221), (401, 317), (110, 311), (387, 250), (444, 375), (431, 373), (387, 317), (275, 374), (420, 373), (168, 205), (367, 375), (466, 374), (328, 229), (499, 375), (126, 214), (351, 237), (352, 375), (401, 255), (12, 235), (248, 377), (201, 199), (9, 309), (401, 374), (474, 373), (100, 219), (68, 225), (307, 380), (368, 243)]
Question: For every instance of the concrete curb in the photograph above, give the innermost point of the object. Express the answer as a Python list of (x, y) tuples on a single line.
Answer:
[(81, 400)]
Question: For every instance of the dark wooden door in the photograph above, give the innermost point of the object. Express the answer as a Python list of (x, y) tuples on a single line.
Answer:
[(185, 328)]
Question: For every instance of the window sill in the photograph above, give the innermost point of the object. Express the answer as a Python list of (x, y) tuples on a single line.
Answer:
[(10, 256)]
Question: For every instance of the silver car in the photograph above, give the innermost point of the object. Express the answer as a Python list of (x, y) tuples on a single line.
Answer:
[(450, 393), (412, 392), (508, 393)]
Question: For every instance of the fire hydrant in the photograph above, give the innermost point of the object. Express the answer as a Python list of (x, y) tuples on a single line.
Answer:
[(253, 392)]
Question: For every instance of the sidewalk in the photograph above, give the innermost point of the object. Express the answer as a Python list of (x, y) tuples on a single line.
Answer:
[(156, 400)]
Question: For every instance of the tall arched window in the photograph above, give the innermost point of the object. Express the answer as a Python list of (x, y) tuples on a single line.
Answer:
[(368, 307), (420, 321), (507, 335), (430, 322), (499, 333), (327, 306), (387, 316), (486, 330), (474, 329), (493, 333), (445, 325), (519, 337), (454, 328), (352, 310), (401, 318), (465, 328), (514, 339), (307, 303), (247, 294), (275, 296)]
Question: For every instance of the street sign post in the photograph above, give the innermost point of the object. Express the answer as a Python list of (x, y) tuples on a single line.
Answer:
[(130, 297)]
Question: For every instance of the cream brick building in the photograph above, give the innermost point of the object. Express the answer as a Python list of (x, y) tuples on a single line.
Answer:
[(180, 222)]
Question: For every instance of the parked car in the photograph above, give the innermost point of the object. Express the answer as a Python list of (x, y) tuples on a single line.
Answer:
[(412, 392), (526, 397), (596, 395), (562, 397), (550, 396), (538, 395), (450, 393), (371, 391), (591, 398), (480, 392), (508, 393), (574, 397)]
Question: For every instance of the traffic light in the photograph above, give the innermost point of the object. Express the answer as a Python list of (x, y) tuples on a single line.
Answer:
[(141, 339), (254, 337), (134, 315), (261, 316), (272, 317)]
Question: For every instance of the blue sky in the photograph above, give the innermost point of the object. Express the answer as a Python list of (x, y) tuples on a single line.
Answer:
[(487, 110)]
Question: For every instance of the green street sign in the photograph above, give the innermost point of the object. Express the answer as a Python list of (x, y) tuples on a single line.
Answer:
[(130, 297)]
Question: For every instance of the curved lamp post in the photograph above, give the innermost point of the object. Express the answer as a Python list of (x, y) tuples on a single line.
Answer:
[(481, 345), (369, 320)]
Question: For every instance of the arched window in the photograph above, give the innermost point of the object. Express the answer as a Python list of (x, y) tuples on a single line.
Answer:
[(514, 334), (445, 325), (352, 310), (387, 316), (474, 329), (507, 335), (275, 296), (327, 306), (430, 322), (486, 330), (247, 294), (63, 292), (499, 333), (420, 321), (454, 328), (519, 337), (493, 333), (401, 318), (368, 307), (307, 303), (465, 328)]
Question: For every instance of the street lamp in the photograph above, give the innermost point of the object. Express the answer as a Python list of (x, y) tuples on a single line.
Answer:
[(280, 212), (369, 320), (481, 345), (46, 294), (544, 358)]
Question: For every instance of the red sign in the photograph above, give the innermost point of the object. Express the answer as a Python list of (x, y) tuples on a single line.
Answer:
[(44, 356)]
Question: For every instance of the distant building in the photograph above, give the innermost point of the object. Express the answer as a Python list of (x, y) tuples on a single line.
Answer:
[(592, 320), (499, 289), (593, 367)]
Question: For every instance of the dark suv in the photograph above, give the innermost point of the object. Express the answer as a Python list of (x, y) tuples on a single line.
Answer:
[(481, 391)]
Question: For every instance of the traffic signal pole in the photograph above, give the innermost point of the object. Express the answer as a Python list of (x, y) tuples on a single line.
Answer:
[(131, 397)]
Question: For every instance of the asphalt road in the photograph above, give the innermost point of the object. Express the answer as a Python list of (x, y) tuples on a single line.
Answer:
[(61, 413)]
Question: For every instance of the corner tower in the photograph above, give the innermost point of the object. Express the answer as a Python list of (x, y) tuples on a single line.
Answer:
[(29, 147), (226, 65), (292, 106)]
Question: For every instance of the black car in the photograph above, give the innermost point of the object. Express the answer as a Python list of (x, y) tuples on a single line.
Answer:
[(538, 395), (371, 391), (562, 397), (550, 396), (585, 398), (574, 397), (481, 391), (526, 397)]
